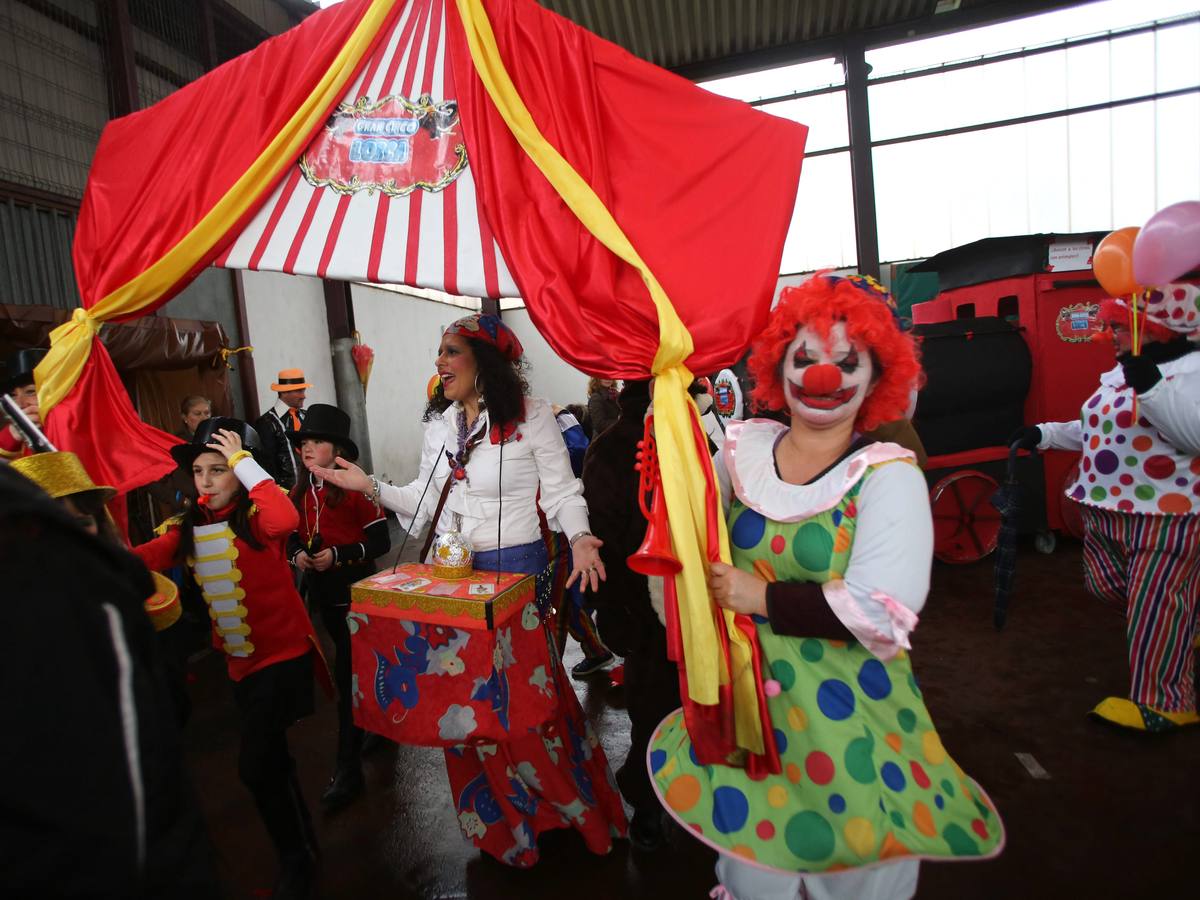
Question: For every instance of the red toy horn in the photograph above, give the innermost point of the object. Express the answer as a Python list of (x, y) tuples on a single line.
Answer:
[(654, 556)]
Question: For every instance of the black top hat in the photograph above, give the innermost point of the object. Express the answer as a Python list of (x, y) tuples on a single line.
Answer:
[(326, 423), (185, 454), (19, 366)]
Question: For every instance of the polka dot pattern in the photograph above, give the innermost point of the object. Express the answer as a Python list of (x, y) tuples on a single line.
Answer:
[(1127, 465), (835, 699), (730, 809), (819, 767), (873, 679), (783, 672), (809, 836), (864, 774), (748, 529), (684, 793), (812, 546)]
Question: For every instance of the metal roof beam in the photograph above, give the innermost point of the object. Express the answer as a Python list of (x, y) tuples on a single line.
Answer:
[(881, 36)]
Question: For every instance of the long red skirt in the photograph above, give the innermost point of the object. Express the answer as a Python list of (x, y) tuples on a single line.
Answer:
[(556, 777)]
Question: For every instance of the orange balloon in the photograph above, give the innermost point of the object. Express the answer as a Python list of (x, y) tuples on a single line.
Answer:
[(1113, 263)]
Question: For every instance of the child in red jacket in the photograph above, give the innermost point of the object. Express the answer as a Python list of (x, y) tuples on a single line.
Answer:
[(341, 534), (233, 541)]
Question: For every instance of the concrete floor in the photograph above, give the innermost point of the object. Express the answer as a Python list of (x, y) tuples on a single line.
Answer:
[(1112, 815)]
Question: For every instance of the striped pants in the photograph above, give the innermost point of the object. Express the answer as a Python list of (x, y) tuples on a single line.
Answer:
[(1150, 565)]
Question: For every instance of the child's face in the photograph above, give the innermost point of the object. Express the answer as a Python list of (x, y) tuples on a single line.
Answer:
[(316, 452), (215, 480), (27, 401)]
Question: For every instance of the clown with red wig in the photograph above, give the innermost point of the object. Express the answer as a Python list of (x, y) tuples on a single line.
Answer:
[(1139, 490), (832, 543)]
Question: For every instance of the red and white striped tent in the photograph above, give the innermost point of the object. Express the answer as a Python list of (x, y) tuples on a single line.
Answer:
[(481, 147)]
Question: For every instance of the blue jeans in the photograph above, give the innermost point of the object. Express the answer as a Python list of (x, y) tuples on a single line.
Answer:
[(527, 559)]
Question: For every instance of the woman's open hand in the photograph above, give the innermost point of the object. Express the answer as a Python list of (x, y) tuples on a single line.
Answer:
[(347, 476), (586, 564), (736, 590)]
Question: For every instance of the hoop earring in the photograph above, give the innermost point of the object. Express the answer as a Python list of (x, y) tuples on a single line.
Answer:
[(478, 389)]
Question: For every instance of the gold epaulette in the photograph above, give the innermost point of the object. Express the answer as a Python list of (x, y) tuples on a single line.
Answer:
[(168, 523)]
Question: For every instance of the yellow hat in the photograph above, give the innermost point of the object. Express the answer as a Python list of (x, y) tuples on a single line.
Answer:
[(61, 474), (163, 607), (290, 380)]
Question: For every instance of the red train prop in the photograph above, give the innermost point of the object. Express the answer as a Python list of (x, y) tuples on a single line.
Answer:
[(1007, 341)]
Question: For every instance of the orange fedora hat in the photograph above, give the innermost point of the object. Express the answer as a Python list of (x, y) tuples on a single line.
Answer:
[(290, 380)]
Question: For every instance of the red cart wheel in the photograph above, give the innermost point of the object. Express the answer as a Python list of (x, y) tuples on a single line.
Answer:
[(965, 524)]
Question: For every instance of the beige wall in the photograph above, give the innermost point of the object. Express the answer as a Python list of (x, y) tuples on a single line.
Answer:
[(285, 318), (404, 332), (549, 377)]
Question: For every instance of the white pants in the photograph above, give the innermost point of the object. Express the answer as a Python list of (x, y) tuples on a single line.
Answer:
[(893, 881)]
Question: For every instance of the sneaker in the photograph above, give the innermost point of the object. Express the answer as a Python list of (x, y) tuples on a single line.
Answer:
[(592, 666)]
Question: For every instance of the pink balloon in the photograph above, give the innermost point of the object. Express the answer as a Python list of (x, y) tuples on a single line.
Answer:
[(1168, 245)]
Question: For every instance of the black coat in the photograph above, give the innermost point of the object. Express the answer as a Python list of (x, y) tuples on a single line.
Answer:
[(610, 485), (278, 457), (84, 810)]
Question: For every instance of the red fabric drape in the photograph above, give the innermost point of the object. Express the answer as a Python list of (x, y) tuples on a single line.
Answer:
[(703, 186), (157, 172), (98, 424), (155, 175)]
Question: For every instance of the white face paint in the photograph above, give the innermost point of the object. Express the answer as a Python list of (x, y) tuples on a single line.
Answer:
[(826, 385)]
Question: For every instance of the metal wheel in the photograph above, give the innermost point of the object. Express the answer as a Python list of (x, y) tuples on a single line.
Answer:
[(965, 524)]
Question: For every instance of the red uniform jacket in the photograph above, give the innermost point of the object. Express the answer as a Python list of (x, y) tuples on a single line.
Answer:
[(258, 618), (12, 447)]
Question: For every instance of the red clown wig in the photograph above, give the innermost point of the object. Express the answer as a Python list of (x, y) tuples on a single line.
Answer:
[(868, 311)]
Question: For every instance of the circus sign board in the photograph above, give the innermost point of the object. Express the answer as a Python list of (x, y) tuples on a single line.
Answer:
[(393, 146)]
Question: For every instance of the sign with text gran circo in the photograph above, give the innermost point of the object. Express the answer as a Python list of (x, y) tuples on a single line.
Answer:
[(393, 146)]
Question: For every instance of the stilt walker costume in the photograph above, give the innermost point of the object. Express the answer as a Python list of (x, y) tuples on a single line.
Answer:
[(237, 554), (1139, 490), (354, 531), (840, 561)]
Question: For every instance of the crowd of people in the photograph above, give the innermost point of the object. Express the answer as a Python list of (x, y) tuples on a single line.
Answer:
[(831, 540)]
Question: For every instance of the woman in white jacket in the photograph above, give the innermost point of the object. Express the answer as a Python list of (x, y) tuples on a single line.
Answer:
[(492, 458)]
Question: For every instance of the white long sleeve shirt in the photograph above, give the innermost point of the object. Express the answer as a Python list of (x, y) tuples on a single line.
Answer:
[(502, 484)]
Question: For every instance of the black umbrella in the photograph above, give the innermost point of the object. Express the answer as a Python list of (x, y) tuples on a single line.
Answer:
[(1007, 502)]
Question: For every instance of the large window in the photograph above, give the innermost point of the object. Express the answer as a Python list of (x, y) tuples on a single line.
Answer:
[(1082, 119), (1091, 136), (822, 230)]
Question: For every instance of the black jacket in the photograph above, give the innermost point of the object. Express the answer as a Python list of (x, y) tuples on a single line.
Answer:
[(624, 616), (96, 802), (278, 456)]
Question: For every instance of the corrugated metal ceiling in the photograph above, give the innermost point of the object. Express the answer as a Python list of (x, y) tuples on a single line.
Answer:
[(688, 34)]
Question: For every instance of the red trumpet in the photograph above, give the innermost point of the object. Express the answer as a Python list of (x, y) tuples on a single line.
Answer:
[(654, 557)]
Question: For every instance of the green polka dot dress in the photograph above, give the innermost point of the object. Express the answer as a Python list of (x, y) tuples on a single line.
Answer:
[(865, 777)]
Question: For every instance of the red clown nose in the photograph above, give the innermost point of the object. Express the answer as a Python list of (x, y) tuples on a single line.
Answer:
[(822, 379)]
